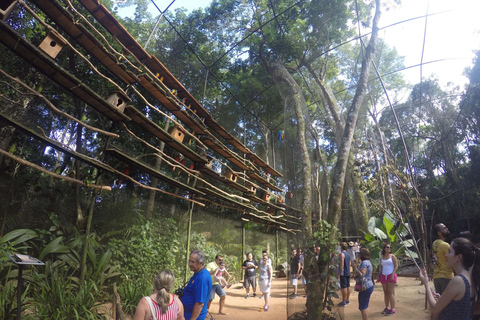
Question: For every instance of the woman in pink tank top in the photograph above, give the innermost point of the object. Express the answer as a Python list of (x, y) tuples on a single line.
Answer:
[(161, 305)]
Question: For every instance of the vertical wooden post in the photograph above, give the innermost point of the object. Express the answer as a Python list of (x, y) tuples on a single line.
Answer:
[(189, 232), (276, 248), (243, 247)]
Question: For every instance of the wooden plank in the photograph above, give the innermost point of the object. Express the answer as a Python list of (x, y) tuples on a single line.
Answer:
[(161, 95), (42, 62), (222, 179), (261, 201), (149, 170), (56, 145), (114, 27), (226, 153), (263, 181), (77, 31), (140, 119)]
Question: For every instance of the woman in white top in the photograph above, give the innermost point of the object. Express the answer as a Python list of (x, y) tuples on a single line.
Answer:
[(161, 305), (265, 280), (388, 278)]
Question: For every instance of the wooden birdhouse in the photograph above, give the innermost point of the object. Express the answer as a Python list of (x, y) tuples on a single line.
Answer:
[(118, 100), (6, 7), (52, 44), (252, 188), (230, 175), (177, 133), (266, 196), (289, 195), (280, 199)]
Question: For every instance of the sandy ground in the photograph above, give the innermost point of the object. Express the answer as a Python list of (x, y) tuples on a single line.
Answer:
[(410, 300)]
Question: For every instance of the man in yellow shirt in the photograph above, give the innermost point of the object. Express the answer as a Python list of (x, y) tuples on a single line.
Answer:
[(441, 273)]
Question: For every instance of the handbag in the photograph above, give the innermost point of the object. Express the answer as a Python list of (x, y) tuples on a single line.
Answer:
[(361, 284)]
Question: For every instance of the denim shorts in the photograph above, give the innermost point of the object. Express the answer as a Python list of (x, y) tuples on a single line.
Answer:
[(216, 288), (364, 298)]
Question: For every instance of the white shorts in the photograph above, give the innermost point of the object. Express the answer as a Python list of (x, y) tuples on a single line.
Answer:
[(294, 279), (264, 287)]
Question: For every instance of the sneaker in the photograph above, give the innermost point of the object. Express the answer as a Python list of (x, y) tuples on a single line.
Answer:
[(261, 296), (247, 296), (228, 286), (265, 309), (342, 304), (347, 302), (386, 310), (254, 295), (390, 312), (293, 296)]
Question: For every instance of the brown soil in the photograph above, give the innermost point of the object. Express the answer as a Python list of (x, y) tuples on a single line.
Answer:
[(410, 300)]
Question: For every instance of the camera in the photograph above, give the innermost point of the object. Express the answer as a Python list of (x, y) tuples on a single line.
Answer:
[(179, 292)]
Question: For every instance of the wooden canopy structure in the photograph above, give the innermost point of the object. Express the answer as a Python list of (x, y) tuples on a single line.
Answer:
[(129, 69)]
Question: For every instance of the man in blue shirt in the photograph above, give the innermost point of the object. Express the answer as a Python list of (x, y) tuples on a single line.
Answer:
[(197, 292)]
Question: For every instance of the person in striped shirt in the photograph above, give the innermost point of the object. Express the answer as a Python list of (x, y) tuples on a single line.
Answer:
[(161, 305)]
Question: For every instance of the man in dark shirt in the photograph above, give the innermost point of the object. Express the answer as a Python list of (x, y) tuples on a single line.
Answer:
[(294, 272), (344, 275), (197, 292), (250, 278)]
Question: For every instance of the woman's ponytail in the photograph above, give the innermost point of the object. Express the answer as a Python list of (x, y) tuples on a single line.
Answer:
[(163, 284)]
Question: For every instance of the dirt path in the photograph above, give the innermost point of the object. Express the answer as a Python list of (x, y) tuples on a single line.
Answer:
[(409, 297)]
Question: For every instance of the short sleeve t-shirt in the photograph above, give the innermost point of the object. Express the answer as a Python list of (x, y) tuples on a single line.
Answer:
[(211, 267), (197, 291), (294, 261), (263, 271), (440, 269), (368, 276), (250, 272)]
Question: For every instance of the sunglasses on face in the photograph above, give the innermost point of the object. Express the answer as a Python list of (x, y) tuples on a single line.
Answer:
[(387, 247)]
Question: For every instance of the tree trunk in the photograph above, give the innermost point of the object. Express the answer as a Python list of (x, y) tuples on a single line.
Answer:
[(339, 171), (292, 96)]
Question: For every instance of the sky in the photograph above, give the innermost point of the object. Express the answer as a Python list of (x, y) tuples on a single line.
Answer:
[(451, 34)]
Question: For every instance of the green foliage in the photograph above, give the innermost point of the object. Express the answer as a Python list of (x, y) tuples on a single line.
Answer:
[(145, 249), (60, 297), (131, 291)]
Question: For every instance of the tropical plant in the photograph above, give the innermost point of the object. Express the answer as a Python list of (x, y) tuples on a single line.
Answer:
[(131, 291)]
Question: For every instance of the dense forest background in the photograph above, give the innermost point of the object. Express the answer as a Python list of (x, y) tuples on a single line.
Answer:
[(263, 69)]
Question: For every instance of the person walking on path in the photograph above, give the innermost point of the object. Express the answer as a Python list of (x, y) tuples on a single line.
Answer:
[(197, 292), (357, 249), (216, 287), (265, 280), (455, 303), (344, 275), (441, 272), (161, 305), (250, 266), (388, 278), (294, 272), (366, 270)]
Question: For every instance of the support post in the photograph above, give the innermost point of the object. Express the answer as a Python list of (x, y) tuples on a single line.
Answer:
[(19, 292), (276, 248), (189, 233), (243, 248)]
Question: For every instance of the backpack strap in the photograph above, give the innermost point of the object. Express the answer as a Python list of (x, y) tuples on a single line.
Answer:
[(150, 303)]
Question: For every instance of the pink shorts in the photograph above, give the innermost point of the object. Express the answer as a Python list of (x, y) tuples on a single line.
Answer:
[(386, 279)]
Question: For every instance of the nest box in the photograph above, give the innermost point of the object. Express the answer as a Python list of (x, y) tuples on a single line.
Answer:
[(266, 196), (252, 188), (289, 195), (6, 8), (280, 199), (230, 175), (177, 133), (52, 44), (118, 100)]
